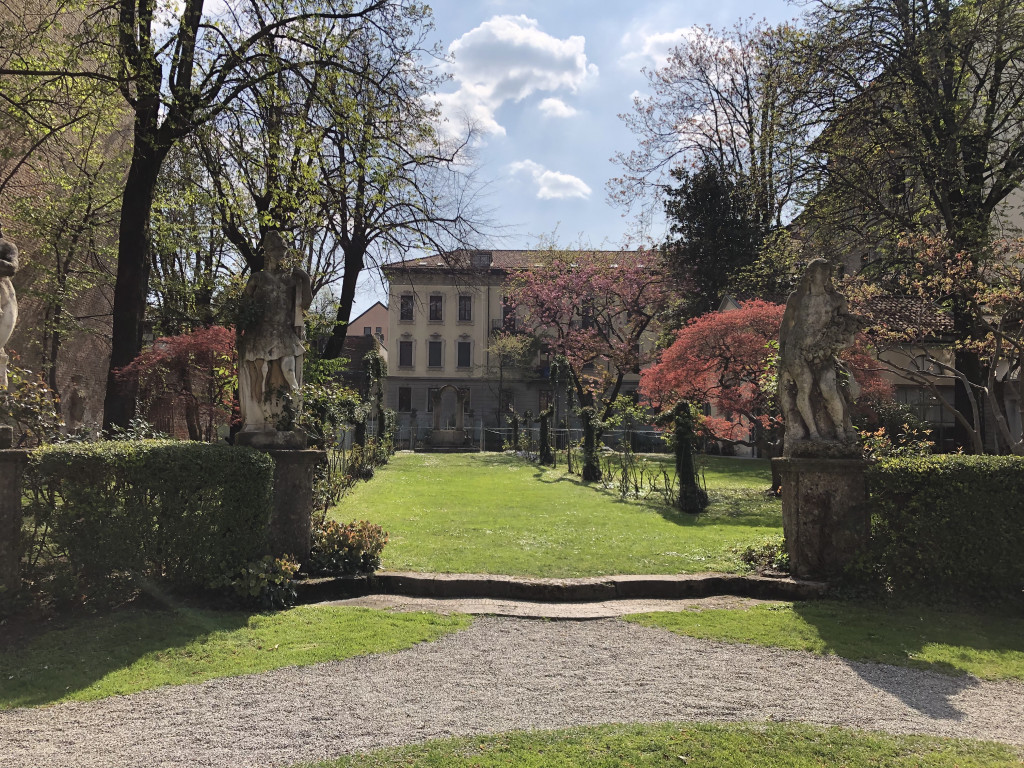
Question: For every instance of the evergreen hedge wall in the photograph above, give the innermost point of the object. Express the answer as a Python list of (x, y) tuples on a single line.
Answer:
[(949, 526), (178, 512)]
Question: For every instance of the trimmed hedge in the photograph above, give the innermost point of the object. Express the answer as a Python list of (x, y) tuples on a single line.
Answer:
[(949, 527), (179, 512)]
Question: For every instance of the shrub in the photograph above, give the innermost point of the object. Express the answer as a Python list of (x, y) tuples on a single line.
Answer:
[(341, 549), (948, 527), (31, 407), (267, 583), (181, 513), (769, 555)]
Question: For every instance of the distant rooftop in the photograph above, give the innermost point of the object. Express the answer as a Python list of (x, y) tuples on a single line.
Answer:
[(505, 260)]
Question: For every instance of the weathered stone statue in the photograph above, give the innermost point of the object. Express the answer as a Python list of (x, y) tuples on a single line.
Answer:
[(824, 512), (815, 388), (271, 345), (8, 301)]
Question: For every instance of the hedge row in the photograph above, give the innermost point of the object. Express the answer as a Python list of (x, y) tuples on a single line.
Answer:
[(183, 513), (949, 526)]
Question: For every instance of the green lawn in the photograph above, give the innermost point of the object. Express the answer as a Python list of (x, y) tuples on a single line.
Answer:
[(134, 650), (691, 745), (493, 513), (988, 646)]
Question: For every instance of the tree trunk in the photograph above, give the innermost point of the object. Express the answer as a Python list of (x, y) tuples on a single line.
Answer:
[(354, 262), (132, 283), (591, 466)]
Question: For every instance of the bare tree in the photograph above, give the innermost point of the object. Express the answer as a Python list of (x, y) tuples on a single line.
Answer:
[(724, 99)]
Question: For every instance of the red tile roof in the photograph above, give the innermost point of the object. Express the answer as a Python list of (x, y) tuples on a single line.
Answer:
[(504, 260)]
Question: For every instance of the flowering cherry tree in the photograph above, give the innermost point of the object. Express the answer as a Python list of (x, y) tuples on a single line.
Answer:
[(596, 309)]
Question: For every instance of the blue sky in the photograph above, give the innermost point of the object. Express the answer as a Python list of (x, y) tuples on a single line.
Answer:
[(545, 82)]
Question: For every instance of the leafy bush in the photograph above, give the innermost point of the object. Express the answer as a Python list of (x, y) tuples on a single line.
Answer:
[(31, 407), (947, 527), (181, 513), (341, 549), (769, 555), (267, 583)]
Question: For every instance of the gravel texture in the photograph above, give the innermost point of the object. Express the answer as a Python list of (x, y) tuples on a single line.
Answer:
[(499, 675)]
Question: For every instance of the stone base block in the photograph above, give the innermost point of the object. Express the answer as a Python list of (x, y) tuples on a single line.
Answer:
[(292, 440), (825, 514), (291, 519)]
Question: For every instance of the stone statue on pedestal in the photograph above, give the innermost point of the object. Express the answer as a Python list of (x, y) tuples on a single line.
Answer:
[(271, 346), (825, 515), (815, 388), (8, 301)]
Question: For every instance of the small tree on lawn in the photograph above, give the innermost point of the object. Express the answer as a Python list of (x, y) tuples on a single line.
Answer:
[(722, 359), (194, 373), (594, 309), (508, 351)]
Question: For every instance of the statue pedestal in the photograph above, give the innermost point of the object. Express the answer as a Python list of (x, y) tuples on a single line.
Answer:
[(291, 440), (291, 529), (447, 438), (825, 514)]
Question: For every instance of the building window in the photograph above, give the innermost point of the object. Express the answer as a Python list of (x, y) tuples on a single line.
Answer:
[(434, 350), (545, 399), (405, 354), (405, 308), (464, 357), (436, 304), (465, 309), (430, 398), (378, 332), (404, 399), (366, 330)]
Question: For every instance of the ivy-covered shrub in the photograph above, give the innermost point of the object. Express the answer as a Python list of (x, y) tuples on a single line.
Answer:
[(343, 549), (947, 527), (174, 512), (267, 583)]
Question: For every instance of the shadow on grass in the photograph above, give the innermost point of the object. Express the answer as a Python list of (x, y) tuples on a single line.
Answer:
[(900, 635), (49, 664), (727, 506)]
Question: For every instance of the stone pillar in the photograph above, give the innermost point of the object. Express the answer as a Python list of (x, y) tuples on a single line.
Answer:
[(435, 403), (291, 528), (825, 514), (12, 468), (460, 404)]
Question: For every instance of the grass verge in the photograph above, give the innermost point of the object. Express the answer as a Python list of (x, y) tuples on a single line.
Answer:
[(493, 513), (693, 746), (987, 646), (135, 650)]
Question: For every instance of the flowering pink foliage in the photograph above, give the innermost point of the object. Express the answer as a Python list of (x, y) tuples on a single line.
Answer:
[(728, 360), (593, 308), (194, 373), (725, 359)]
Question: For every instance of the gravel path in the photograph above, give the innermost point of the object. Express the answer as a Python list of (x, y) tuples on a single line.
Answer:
[(499, 675)]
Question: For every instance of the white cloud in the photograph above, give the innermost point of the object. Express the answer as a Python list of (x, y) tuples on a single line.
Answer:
[(508, 58), (651, 49), (552, 107), (552, 185)]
